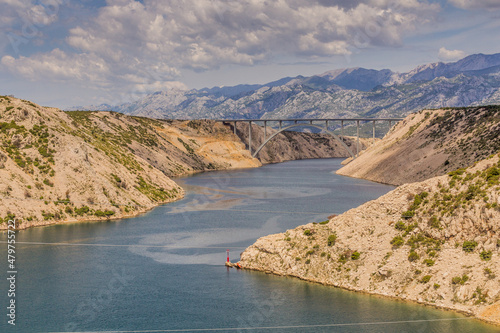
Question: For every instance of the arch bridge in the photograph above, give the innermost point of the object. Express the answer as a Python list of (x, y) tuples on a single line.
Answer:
[(307, 123)]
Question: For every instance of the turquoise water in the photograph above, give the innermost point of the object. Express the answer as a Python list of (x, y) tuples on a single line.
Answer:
[(163, 271)]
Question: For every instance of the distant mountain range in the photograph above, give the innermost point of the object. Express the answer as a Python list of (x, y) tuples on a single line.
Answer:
[(351, 92)]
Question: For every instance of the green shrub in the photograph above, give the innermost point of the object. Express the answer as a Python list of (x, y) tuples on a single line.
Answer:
[(397, 241), (436, 286), (425, 279), (106, 213), (413, 256), (355, 255), (460, 280), (307, 232), (332, 239), (308, 261), (324, 222), (82, 211), (408, 214), (342, 258), (323, 254), (429, 262), (400, 225), (308, 253), (457, 172), (469, 246), (48, 182), (485, 255)]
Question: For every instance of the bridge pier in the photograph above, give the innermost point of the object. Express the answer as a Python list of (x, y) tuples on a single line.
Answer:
[(357, 141), (250, 136), (374, 132), (309, 122)]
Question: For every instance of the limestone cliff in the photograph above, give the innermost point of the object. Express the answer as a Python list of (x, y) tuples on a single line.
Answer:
[(69, 166), (430, 143), (435, 242)]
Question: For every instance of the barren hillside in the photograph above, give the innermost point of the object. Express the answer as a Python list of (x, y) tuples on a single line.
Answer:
[(430, 143), (57, 166), (435, 242), (70, 166)]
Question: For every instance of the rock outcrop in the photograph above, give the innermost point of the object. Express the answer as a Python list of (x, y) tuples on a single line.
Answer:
[(435, 242)]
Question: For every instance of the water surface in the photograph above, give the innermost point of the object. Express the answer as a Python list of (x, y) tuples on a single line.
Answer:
[(163, 271)]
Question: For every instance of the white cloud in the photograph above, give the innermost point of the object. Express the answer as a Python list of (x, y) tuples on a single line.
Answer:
[(476, 4), (145, 44), (450, 55), (58, 66)]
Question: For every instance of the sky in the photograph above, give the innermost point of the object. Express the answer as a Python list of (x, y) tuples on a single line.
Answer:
[(65, 53)]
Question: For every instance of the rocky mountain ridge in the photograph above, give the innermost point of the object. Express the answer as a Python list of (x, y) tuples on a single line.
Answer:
[(352, 92)]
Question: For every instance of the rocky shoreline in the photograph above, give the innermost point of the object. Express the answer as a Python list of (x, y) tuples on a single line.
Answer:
[(405, 245)]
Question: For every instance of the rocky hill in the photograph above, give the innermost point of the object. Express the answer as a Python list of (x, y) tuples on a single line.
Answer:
[(70, 166), (435, 242), (352, 92), (430, 143), (57, 166)]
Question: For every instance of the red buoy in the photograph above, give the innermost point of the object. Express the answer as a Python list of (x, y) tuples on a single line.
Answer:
[(227, 251)]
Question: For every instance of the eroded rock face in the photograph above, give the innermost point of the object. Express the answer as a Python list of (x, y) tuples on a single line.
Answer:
[(430, 143), (435, 242)]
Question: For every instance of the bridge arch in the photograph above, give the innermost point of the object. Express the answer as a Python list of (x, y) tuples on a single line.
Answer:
[(305, 125)]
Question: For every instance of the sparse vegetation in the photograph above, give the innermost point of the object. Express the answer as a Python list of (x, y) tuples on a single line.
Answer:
[(413, 256), (485, 255), (425, 279), (460, 279), (469, 246), (332, 239)]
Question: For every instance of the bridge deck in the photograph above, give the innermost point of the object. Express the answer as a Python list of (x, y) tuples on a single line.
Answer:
[(309, 119), (300, 122)]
